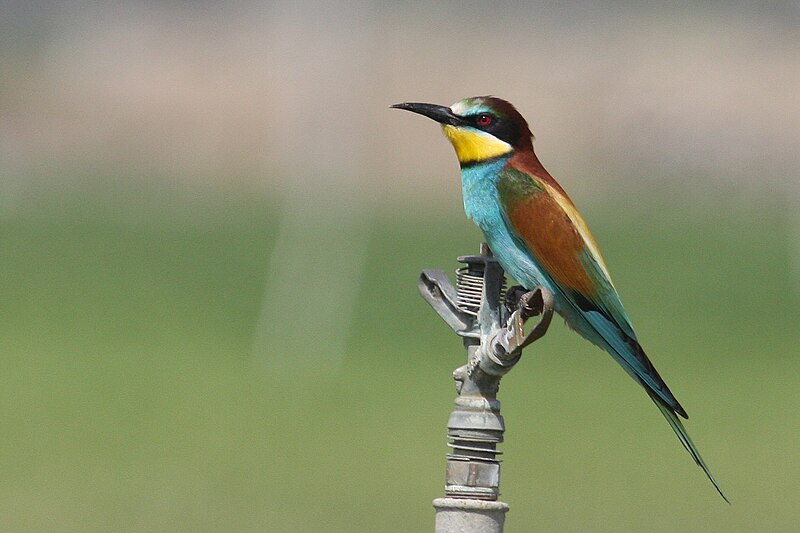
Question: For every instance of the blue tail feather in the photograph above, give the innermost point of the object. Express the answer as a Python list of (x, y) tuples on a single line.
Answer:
[(683, 436)]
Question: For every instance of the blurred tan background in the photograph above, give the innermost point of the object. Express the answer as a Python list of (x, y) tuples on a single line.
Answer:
[(198, 91), (211, 229)]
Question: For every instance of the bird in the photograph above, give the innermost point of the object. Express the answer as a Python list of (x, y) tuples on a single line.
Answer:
[(538, 236)]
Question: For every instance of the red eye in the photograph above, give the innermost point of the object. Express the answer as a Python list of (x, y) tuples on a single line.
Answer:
[(484, 120)]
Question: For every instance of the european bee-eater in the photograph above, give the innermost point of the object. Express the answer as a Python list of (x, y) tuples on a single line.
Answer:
[(538, 236)]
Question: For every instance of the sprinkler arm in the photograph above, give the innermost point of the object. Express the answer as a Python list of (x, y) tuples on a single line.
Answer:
[(436, 289), (502, 335)]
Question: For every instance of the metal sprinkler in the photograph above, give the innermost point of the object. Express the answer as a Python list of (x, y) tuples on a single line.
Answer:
[(491, 321)]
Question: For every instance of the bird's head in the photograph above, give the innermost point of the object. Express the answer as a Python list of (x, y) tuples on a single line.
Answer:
[(480, 128)]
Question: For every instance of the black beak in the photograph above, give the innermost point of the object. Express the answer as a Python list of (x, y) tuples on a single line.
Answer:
[(439, 113)]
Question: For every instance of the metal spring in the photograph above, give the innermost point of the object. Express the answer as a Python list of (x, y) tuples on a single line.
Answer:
[(469, 288)]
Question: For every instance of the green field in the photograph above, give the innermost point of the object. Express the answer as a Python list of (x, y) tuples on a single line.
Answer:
[(131, 400)]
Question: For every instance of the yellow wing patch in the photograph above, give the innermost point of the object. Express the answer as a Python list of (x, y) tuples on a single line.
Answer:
[(474, 145), (557, 235), (583, 229)]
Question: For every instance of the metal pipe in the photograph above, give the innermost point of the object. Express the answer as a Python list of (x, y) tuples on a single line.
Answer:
[(491, 323)]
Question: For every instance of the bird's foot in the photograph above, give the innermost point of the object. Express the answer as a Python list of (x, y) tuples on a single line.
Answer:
[(529, 304)]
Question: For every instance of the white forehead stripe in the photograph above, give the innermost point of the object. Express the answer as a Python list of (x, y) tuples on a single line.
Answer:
[(459, 108)]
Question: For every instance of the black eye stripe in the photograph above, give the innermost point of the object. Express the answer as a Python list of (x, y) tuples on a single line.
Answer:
[(502, 128)]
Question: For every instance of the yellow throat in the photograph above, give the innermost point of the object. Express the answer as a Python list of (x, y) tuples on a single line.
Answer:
[(474, 145)]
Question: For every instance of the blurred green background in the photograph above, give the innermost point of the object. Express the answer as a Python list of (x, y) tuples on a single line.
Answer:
[(211, 228)]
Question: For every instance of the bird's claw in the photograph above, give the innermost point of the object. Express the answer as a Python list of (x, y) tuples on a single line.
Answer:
[(532, 303), (513, 296)]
